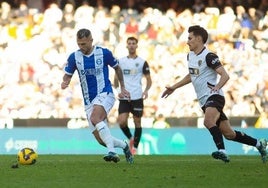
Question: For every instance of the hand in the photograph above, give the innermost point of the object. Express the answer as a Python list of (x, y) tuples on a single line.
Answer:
[(124, 94), (145, 95), (64, 85), (214, 89), (167, 92)]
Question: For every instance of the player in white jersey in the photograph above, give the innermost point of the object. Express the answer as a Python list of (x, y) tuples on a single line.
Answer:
[(134, 69), (204, 69), (92, 64)]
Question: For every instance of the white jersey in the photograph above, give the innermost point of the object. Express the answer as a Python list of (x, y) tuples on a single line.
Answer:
[(202, 71), (133, 71)]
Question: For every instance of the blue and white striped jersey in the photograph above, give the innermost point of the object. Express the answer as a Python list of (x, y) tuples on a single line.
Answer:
[(93, 71)]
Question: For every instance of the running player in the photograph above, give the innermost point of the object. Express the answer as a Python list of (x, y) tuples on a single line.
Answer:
[(204, 68), (92, 64)]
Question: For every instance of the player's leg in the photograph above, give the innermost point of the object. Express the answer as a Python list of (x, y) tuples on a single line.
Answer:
[(137, 111), (92, 128), (123, 123), (97, 137), (137, 134), (241, 137), (210, 121), (212, 110), (102, 105), (117, 144), (97, 118), (122, 119)]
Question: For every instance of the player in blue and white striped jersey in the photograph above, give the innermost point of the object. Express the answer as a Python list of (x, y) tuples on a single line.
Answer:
[(92, 64)]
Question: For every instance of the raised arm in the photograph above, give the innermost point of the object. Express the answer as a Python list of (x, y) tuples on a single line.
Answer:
[(170, 89)]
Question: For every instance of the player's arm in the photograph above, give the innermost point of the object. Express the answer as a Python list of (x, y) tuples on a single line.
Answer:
[(66, 81), (170, 89), (148, 85), (116, 82), (213, 62), (147, 75), (69, 69), (224, 77), (124, 93)]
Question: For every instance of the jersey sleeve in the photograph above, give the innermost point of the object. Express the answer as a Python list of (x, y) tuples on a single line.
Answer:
[(213, 61), (146, 68), (70, 66), (110, 59)]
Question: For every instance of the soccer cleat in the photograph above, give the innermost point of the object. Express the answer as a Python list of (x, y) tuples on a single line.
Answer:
[(220, 155), (111, 156), (262, 149), (128, 155)]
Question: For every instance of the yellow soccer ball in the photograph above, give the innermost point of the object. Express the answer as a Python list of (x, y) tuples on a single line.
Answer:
[(27, 156)]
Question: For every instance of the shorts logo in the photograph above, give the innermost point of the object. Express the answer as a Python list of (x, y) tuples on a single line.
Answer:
[(208, 102)]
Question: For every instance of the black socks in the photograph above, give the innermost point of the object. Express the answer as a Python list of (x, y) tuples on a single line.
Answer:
[(217, 137)]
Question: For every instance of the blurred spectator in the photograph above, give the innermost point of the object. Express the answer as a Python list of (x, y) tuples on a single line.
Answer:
[(243, 18), (68, 17), (83, 15), (254, 17), (42, 36), (160, 122), (132, 27), (226, 23), (262, 121), (36, 4), (51, 21), (6, 13), (198, 6)]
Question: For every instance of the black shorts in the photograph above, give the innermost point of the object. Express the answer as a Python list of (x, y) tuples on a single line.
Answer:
[(218, 102), (134, 106)]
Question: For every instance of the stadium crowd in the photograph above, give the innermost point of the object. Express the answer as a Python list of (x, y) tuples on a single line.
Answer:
[(36, 39)]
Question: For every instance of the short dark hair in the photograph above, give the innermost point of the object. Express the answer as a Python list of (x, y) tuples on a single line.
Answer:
[(132, 38), (83, 33), (199, 31)]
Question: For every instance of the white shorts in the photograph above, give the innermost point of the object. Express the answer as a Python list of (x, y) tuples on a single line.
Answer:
[(106, 100)]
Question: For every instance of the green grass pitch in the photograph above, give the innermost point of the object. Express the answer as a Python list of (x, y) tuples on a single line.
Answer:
[(148, 171)]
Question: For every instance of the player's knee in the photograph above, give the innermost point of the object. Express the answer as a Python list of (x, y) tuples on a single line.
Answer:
[(95, 120), (137, 121), (229, 135), (208, 123), (122, 122)]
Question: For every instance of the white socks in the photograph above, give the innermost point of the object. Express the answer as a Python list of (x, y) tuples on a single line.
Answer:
[(105, 135), (258, 144), (119, 143), (222, 150)]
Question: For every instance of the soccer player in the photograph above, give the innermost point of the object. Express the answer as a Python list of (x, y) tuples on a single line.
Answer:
[(92, 64), (204, 69), (134, 69)]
